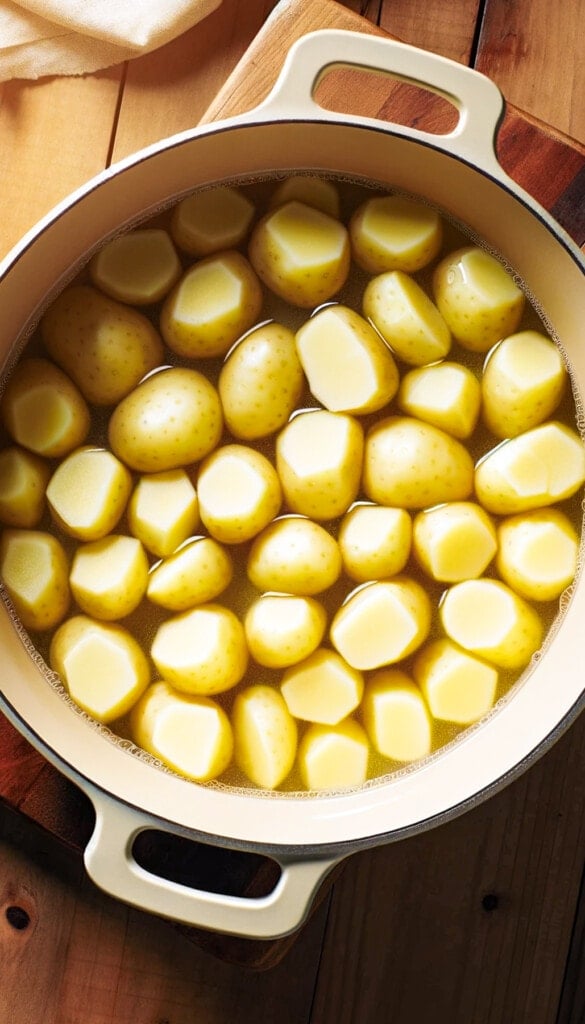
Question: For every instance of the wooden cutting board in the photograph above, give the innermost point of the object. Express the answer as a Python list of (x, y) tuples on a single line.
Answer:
[(549, 166)]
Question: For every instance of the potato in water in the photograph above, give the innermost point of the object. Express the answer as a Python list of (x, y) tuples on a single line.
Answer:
[(291, 491)]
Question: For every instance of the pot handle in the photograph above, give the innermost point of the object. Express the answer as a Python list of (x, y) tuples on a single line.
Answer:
[(477, 98), (110, 863)]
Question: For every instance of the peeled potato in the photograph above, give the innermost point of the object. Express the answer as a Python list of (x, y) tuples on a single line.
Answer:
[(191, 735), (211, 220), (534, 469), (538, 553), (322, 688), (381, 623), (201, 651), (43, 410), (171, 419), (101, 664), (88, 492), (282, 629), (455, 541), (446, 394), (406, 318), (319, 462), (310, 190), (35, 571), (105, 346), (23, 481), (294, 555), (334, 756), (487, 618), (199, 571), (138, 268), (395, 233), (163, 510), (396, 717), (261, 382), (414, 464), (457, 686), (109, 576), (265, 735), (239, 493), (348, 366), (300, 253), (374, 541), (477, 297), (215, 301), (522, 383)]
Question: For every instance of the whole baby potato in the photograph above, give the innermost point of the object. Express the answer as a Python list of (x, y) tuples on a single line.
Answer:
[(171, 419), (294, 555), (261, 381), (105, 346), (413, 464)]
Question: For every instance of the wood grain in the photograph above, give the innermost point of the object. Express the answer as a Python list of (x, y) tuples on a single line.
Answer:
[(471, 923)]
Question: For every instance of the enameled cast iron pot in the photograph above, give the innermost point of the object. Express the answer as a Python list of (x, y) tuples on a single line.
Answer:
[(306, 835)]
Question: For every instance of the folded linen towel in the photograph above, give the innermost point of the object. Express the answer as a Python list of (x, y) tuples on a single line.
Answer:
[(73, 37)]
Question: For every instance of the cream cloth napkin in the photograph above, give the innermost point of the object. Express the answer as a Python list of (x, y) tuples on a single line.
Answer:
[(73, 37)]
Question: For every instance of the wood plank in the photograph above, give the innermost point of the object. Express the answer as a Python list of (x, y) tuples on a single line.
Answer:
[(528, 48), (447, 29), (55, 133), (167, 91), (469, 922), (86, 959)]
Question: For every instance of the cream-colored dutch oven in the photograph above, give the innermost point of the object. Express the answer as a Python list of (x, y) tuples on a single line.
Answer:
[(306, 835)]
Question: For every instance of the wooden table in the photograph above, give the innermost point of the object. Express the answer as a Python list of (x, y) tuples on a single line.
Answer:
[(480, 920)]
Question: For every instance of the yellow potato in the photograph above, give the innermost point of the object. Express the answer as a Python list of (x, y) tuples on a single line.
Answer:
[(523, 381), (374, 541), (414, 465), (446, 394), (282, 629), (477, 297), (104, 346), (310, 190), (43, 410), (211, 220), (191, 735), (381, 622), (488, 619), (300, 253), (323, 688), (348, 366), (457, 686), (396, 717), (108, 577), (261, 382), (171, 419), (239, 493), (88, 492), (319, 462), (138, 268), (294, 555), (35, 571), (334, 756), (23, 481), (199, 571), (163, 510), (406, 318), (201, 651), (215, 301), (265, 735), (534, 469), (455, 541), (395, 233), (538, 553), (101, 664)]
